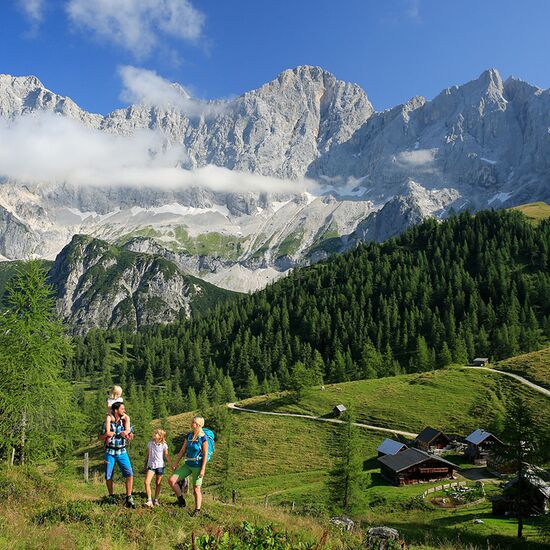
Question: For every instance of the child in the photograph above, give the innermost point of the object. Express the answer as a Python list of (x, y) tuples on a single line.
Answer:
[(115, 397), (157, 451)]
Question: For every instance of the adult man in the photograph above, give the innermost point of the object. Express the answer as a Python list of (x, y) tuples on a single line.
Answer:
[(116, 453)]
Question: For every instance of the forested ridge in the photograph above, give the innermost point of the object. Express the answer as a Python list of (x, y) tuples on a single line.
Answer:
[(442, 292)]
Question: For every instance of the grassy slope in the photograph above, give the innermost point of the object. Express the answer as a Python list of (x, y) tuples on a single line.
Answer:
[(534, 366), (454, 400), (535, 211), (288, 459), (54, 510)]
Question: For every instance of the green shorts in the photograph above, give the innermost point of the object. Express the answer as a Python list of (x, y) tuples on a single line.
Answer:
[(185, 470)]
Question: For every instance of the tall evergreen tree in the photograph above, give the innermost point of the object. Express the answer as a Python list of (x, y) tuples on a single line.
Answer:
[(34, 398)]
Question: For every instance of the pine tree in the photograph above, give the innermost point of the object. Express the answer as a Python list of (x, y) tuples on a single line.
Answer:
[(345, 477), (34, 399)]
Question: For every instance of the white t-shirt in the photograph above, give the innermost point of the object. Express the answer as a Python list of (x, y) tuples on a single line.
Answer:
[(111, 401), (156, 454)]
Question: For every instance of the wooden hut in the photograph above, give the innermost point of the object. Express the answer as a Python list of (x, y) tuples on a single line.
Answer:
[(480, 444), (339, 410), (534, 497), (480, 362), (430, 439), (415, 466), (390, 447)]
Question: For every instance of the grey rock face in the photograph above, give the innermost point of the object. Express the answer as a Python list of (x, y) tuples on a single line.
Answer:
[(482, 144), (17, 240), (101, 286)]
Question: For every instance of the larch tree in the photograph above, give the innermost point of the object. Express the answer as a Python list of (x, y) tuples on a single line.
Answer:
[(35, 401)]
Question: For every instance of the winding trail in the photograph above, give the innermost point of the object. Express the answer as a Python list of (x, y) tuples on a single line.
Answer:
[(524, 381), (519, 378), (234, 407)]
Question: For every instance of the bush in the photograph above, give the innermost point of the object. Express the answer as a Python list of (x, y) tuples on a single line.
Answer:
[(246, 537)]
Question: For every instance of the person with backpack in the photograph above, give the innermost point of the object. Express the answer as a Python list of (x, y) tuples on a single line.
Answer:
[(197, 447), (116, 453)]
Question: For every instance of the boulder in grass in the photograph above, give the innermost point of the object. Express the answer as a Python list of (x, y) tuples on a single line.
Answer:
[(343, 522), (382, 538)]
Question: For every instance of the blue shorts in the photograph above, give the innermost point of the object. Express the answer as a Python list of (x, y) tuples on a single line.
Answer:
[(158, 471), (123, 462)]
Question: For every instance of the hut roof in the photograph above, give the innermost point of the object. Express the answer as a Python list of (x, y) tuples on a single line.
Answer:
[(535, 481), (479, 436), (427, 435), (411, 457), (390, 447)]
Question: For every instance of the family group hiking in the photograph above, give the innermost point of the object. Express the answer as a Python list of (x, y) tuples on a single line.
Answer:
[(196, 450)]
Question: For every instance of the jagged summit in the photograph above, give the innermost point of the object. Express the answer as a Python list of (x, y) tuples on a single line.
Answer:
[(482, 144)]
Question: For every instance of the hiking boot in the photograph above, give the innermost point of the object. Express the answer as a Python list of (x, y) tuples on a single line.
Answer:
[(149, 503), (130, 502), (196, 513), (111, 499), (181, 502), (156, 502)]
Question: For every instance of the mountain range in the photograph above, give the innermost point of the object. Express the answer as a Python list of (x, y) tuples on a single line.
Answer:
[(347, 172)]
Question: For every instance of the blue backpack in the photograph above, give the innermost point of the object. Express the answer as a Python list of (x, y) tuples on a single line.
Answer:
[(211, 445)]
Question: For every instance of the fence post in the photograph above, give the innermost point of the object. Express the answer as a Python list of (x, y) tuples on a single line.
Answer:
[(193, 546), (234, 496), (265, 502), (86, 467), (12, 459), (292, 508)]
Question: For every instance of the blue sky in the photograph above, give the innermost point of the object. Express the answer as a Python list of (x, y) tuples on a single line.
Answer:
[(393, 48)]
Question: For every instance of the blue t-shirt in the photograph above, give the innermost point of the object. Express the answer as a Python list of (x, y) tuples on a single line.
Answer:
[(193, 452)]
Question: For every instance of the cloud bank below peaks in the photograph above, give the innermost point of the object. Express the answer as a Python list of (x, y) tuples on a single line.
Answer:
[(48, 148), (147, 87)]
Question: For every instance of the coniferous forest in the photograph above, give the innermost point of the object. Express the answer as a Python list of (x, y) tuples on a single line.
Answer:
[(442, 292)]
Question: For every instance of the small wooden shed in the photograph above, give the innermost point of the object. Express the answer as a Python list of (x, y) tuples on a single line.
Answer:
[(480, 362), (339, 410)]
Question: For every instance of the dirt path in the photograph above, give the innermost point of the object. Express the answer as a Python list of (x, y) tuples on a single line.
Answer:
[(519, 378), (234, 407)]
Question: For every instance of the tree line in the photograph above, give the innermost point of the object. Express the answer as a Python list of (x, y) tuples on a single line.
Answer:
[(441, 293)]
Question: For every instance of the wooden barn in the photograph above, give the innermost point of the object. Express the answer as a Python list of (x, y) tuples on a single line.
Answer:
[(415, 466), (430, 439), (534, 497), (390, 447), (480, 444)]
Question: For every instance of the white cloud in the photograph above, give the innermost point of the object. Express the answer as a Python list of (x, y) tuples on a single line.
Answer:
[(48, 148), (33, 9), (418, 158), (144, 86), (137, 25)]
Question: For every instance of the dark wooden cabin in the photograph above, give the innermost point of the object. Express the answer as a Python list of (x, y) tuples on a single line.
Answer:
[(415, 466), (480, 444), (430, 439), (534, 497)]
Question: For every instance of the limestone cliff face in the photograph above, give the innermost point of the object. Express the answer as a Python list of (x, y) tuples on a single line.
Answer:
[(483, 144), (99, 285)]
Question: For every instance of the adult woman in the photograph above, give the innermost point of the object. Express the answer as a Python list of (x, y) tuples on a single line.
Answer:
[(195, 448)]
